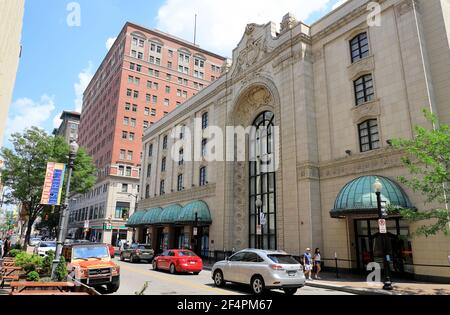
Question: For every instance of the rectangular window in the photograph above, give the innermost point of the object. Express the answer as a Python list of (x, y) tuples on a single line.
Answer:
[(155, 99), (121, 170), (138, 68), (149, 170), (359, 47), (179, 93), (165, 143), (124, 135), (180, 183), (136, 94), (162, 190), (147, 111), (163, 165), (150, 150), (203, 176), (153, 112), (167, 89), (124, 188), (166, 102), (126, 121), (127, 107), (122, 155), (145, 125), (205, 119), (129, 92), (135, 108), (128, 173), (168, 77), (369, 137), (133, 122), (130, 156), (132, 136), (364, 91), (148, 98)]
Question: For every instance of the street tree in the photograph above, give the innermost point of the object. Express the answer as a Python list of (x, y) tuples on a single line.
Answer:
[(25, 169), (427, 158)]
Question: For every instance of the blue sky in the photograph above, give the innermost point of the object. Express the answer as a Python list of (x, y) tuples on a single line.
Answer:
[(58, 60)]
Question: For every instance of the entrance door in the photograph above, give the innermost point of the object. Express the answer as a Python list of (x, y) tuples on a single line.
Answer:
[(369, 244)]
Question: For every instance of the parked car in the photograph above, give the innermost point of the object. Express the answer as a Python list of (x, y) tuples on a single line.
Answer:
[(43, 247), (91, 264), (35, 241), (178, 260), (262, 270), (137, 252), (112, 251)]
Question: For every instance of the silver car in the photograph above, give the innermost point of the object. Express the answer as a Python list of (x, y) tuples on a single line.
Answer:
[(262, 270)]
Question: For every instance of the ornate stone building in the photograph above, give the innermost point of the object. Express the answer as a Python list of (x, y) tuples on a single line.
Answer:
[(336, 91)]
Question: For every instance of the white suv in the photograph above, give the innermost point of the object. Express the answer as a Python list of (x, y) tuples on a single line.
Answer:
[(262, 270)]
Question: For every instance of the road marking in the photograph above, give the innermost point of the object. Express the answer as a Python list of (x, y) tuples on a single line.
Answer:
[(183, 283)]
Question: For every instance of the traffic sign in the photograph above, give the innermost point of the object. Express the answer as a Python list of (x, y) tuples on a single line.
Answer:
[(382, 226), (195, 232)]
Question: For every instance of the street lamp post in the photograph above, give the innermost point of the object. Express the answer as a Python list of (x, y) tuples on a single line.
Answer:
[(73, 150), (136, 203), (258, 205), (377, 186)]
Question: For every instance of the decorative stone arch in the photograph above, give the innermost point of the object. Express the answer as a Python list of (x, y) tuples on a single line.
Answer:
[(257, 95), (139, 34)]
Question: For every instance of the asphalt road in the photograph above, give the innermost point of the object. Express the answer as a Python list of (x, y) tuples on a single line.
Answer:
[(134, 276)]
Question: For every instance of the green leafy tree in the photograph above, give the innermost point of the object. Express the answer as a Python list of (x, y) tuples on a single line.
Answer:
[(47, 263), (33, 276), (25, 168), (61, 270), (428, 161)]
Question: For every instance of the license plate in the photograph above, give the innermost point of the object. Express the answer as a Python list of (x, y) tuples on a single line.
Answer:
[(292, 273), (192, 262)]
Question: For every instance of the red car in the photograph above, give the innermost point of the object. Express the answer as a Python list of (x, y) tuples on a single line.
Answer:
[(178, 260), (112, 251)]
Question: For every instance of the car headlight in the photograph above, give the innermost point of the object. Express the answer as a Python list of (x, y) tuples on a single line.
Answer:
[(116, 269)]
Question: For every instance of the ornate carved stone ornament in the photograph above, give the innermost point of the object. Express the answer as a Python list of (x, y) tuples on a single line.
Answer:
[(289, 22), (252, 52), (406, 7), (371, 109), (364, 65), (251, 101)]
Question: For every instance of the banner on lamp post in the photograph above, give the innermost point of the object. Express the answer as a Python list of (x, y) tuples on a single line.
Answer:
[(53, 184)]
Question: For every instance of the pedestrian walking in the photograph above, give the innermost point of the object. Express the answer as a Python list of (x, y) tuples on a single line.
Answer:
[(6, 246), (308, 263), (317, 263)]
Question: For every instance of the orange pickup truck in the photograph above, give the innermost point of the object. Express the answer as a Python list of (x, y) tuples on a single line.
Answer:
[(91, 264)]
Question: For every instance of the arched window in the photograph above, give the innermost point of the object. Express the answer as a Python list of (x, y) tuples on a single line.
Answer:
[(262, 183)]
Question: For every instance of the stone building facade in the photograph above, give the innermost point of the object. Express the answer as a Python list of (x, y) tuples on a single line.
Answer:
[(11, 19), (68, 129), (337, 91)]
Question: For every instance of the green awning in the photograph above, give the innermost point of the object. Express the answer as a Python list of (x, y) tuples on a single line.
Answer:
[(136, 218), (358, 197), (169, 215), (152, 216), (187, 215)]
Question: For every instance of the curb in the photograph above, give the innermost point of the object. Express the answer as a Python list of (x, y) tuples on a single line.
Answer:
[(350, 289)]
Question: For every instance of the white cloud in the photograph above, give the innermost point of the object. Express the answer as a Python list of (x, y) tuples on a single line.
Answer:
[(338, 4), (219, 28), (110, 42), (25, 113), (84, 77), (57, 121)]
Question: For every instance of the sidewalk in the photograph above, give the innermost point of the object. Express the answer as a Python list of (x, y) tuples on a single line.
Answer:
[(358, 285)]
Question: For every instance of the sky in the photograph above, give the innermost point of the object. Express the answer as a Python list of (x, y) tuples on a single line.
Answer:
[(63, 42)]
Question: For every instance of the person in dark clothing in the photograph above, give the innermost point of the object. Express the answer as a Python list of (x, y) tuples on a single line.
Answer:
[(6, 247)]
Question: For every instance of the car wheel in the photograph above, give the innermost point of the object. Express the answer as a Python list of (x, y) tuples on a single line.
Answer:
[(258, 286), (172, 269), (290, 291), (218, 278), (113, 287), (155, 265), (122, 258)]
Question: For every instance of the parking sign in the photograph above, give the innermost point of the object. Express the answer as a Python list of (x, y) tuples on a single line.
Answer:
[(382, 226)]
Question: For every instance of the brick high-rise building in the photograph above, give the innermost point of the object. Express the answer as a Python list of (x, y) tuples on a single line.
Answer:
[(145, 75)]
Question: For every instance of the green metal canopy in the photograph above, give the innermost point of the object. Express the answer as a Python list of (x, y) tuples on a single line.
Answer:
[(136, 218), (358, 197), (169, 215), (187, 215), (152, 216)]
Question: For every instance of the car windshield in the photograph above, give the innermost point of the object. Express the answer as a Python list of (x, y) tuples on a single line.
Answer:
[(283, 259), (48, 244), (185, 253), (144, 247), (90, 252)]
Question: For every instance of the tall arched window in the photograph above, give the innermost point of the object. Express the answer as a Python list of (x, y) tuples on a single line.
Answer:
[(262, 183)]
